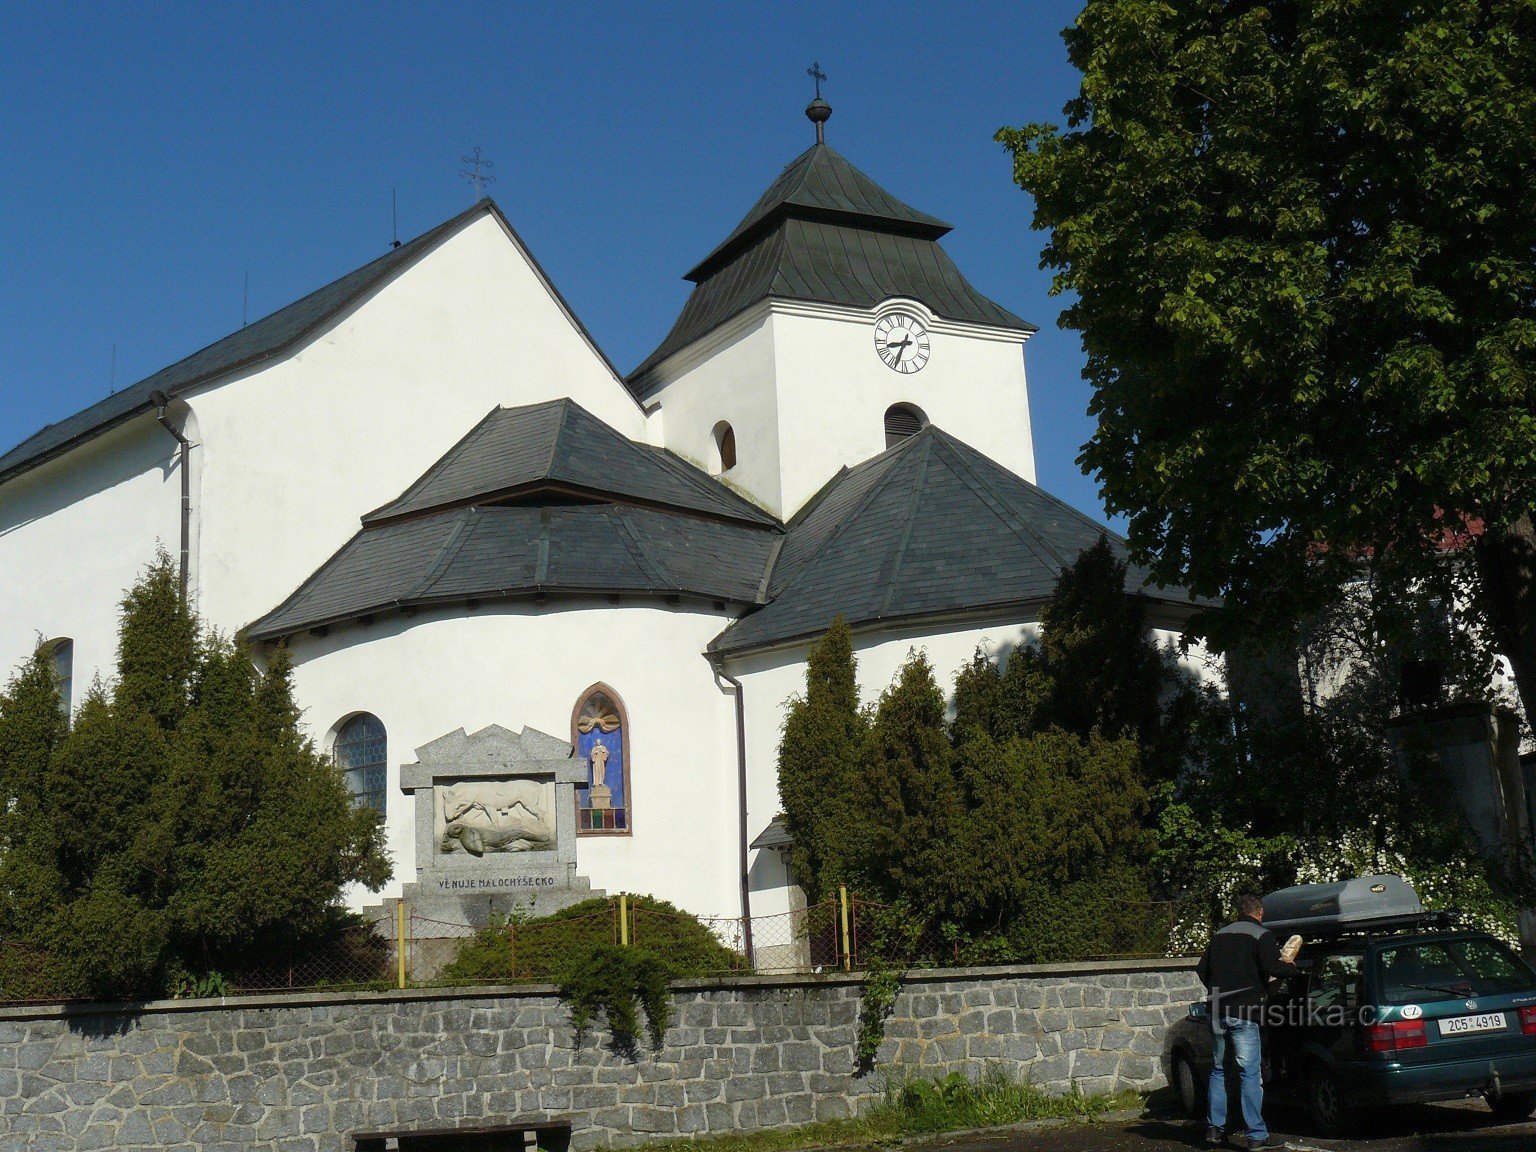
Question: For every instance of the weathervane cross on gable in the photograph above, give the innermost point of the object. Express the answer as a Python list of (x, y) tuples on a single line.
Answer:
[(477, 179)]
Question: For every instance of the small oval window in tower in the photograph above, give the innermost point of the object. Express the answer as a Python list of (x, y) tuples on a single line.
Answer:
[(903, 421), (725, 447)]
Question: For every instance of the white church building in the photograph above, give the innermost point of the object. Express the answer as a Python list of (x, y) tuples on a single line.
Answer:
[(428, 481)]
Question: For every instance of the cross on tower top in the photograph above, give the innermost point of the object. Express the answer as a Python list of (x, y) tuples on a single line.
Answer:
[(816, 74), (818, 111)]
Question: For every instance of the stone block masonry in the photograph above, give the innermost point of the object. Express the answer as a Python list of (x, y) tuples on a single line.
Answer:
[(304, 1072)]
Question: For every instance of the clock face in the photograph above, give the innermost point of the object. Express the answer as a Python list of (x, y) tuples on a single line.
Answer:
[(902, 341)]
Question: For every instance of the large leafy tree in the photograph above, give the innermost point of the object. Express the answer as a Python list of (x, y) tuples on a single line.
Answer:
[(1300, 238), (182, 824)]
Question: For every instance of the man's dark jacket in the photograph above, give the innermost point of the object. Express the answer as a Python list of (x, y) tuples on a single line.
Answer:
[(1238, 965)]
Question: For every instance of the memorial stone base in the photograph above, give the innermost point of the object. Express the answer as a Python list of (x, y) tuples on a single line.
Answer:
[(495, 834)]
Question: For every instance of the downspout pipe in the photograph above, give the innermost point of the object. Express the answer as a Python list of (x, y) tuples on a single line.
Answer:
[(162, 404), (717, 661)]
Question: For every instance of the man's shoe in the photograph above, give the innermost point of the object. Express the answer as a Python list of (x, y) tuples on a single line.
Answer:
[(1215, 1138), (1270, 1141)]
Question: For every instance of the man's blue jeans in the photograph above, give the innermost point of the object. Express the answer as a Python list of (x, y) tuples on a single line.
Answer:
[(1244, 1035)]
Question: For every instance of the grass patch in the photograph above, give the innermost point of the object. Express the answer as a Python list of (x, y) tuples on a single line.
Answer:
[(955, 1102), (918, 1108)]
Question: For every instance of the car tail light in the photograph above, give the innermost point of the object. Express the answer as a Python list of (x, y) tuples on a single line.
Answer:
[(1401, 1034), (1528, 1020)]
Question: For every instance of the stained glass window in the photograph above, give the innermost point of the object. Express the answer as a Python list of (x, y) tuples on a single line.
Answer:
[(601, 739), (362, 754)]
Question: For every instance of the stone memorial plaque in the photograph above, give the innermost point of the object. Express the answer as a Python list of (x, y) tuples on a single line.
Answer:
[(495, 825)]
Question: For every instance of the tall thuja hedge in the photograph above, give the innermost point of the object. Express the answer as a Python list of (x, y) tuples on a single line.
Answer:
[(823, 780), (1013, 825), (183, 823)]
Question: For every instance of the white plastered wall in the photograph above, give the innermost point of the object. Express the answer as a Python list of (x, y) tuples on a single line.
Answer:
[(524, 665), (75, 534), (834, 392), (727, 376), (290, 454), (296, 452), (803, 388)]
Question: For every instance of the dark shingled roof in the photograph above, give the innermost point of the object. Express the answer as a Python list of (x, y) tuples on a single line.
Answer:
[(930, 528), (545, 499), (265, 338), (821, 180), (502, 552), (824, 232), (559, 444), (927, 528)]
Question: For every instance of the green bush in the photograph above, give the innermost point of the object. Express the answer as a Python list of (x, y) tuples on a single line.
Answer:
[(578, 949), (517, 948), (617, 982), (183, 824)]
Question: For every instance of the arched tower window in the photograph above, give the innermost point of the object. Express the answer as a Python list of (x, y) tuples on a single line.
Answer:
[(903, 421), (61, 654), (725, 447), (361, 751), (600, 731)]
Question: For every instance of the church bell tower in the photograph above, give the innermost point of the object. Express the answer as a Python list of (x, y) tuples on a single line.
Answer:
[(826, 327)]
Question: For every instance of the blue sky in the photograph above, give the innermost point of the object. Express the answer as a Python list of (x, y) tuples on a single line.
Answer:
[(155, 154)]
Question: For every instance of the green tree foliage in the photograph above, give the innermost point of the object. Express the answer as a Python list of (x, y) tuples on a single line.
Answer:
[(1013, 828), (1298, 237), (914, 795), (822, 776), (1298, 779), (182, 824)]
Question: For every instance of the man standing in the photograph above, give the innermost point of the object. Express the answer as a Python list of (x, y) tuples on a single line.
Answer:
[(1236, 970)]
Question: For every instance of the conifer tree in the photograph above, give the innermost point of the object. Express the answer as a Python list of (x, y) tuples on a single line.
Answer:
[(32, 726), (920, 854), (822, 780), (1106, 674), (183, 824)]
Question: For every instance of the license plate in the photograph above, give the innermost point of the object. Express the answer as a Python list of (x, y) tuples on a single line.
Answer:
[(1466, 1025)]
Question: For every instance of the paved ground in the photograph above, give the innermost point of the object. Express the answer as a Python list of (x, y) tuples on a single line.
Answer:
[(1431, 1128)]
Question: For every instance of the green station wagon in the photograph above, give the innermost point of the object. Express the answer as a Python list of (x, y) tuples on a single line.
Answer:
[(1389, 1009)]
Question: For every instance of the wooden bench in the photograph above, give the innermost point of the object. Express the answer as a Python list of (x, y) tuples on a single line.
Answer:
[(548, 1133)]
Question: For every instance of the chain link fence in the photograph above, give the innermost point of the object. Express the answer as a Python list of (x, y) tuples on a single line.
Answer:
[(405, 949)]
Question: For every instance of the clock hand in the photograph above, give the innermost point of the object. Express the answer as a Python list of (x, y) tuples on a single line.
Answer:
[(901, 347)]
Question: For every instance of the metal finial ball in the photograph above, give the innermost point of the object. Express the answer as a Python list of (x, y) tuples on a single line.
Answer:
[(818, 111)]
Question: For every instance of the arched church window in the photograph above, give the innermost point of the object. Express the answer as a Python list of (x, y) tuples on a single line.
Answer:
[(361, 751), (61, 655), (903, 421), (725, 447), (601, 735)]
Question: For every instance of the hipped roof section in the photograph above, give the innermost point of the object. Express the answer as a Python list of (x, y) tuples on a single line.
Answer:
[(543, 499), (826, 233), (929, 528)]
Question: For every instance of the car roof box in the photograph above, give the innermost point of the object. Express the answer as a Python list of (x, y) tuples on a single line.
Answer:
[(1345, 906)]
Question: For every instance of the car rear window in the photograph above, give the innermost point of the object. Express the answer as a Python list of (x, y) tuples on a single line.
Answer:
[(1430, 970)]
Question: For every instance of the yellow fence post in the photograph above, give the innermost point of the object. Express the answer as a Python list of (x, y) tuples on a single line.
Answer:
[(400, 915), (842, 909)]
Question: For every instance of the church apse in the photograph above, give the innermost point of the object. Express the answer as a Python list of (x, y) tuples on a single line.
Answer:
[(600, 731), (495, 825)]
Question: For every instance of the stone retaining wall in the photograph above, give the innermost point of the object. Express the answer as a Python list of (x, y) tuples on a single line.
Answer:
[(307, 1071)]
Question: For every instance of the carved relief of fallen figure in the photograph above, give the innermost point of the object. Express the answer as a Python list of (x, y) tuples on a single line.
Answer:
[(478, 830)]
